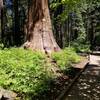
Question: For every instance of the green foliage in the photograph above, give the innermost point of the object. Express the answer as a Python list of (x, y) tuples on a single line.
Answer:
[(68, 6), (80, 45), (26, 72), (65, 58), (23, 71), (1, 46), (97, 39)]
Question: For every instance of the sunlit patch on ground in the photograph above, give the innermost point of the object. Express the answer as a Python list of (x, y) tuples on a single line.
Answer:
[(88, 85)]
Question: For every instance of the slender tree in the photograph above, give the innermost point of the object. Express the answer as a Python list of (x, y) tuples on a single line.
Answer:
[(16, 23), (1, 5), (39, 29), (1, 17)]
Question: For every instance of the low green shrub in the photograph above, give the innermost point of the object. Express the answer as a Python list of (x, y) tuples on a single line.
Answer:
[(1, 46), (65, 58), (23, 71), (80, 47), (28, 73)]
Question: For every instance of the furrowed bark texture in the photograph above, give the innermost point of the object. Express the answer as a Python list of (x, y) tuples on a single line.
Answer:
[(39, 29)]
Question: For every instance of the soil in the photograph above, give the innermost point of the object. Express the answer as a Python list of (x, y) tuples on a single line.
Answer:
[(58, 85)]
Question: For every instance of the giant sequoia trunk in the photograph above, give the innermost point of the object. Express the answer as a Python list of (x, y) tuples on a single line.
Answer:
[(39, 30)]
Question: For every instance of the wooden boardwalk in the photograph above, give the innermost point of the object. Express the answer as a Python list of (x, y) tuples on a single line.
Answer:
[(94, 60), (88, 72), (87, 86), (81, 65)]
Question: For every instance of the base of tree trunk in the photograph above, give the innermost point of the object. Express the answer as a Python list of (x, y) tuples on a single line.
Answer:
[(39, 29)]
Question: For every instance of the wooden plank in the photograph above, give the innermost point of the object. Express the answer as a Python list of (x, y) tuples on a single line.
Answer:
[(63, 94), (82, 64), (94, 60)]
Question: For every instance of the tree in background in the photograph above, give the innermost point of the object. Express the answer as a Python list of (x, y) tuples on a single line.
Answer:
[(1, 5), (1, 16), (79, 22)]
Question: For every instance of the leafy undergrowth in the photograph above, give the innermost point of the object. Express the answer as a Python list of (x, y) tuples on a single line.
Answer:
[(65, 58), (23, 71), (81, 46), (26, 72)]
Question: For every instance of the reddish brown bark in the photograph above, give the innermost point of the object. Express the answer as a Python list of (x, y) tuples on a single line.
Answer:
[(40, 35), (1, 6)]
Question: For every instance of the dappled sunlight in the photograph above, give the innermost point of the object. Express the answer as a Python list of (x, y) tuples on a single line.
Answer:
[(98, 62), (87, 87)]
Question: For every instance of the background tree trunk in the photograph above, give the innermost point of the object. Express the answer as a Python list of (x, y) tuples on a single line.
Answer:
[(1, 5), (1, 11), (40, 35), (16, 33)]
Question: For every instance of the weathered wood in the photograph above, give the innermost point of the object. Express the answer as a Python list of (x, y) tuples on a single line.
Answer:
[(7, 95), (82, 64), (94, 60), (95, 53), (63, 94)]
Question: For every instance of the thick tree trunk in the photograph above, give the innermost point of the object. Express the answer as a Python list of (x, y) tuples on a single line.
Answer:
[(40, 35)]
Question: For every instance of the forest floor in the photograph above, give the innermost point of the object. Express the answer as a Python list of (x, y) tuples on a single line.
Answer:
[(43, 76), (87, 86), (46, 77), (63, 82)]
